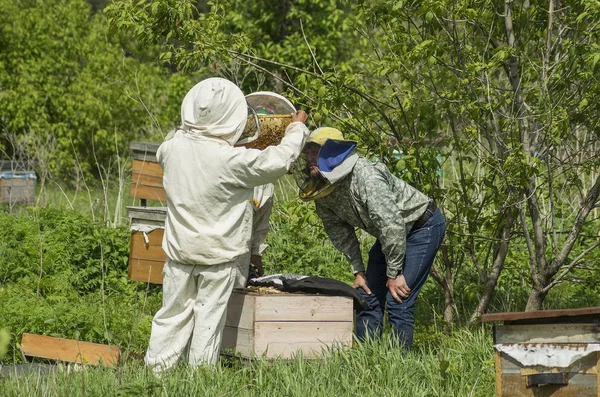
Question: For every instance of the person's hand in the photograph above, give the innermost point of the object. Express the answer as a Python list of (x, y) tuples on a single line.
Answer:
[(314, 171), (300, 115), (360, 281), (256, 264), (398, 288)]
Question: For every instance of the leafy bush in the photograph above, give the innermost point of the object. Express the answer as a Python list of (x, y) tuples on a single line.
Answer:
[(62, 252), (298, 244), (64, 275), (4, 340), (91, 88)]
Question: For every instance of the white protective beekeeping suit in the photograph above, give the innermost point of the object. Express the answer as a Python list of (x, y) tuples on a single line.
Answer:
[(209, 185), (263, 206)]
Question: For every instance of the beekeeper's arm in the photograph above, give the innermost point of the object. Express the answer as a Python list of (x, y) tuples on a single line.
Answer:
[(253, 167)]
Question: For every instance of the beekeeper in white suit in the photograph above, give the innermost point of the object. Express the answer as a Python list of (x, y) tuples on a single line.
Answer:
[(209, 185)]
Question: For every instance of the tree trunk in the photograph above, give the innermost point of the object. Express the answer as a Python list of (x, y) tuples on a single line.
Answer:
[(536, 297), (500, 252), (446, 281), (544, 272), (449, 306), (278, 82)]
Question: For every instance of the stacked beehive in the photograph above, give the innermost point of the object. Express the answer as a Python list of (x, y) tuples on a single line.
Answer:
[(146, 257), (146, 174)]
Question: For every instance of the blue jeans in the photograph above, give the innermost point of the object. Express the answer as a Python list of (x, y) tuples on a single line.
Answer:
[(421, 246)]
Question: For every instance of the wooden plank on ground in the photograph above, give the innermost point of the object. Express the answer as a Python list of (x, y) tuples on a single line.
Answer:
[(547, 333), (69, 350), (536, 314)]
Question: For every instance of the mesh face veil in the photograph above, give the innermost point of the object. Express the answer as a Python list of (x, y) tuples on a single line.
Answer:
[(252, 130), (310, 187)]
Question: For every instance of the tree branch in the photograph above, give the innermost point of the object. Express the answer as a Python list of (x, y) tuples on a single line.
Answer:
[(528, 242), (500, 253), (548, 43), (570, 267), (586, 206)]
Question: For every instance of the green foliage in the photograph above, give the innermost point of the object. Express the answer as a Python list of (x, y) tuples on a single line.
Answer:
[(482, 100), (4, 341), (68, 86), (316, 35), (252, 43), (431, 88), (458, 365), (298, 244), (72, 253), (63, 275)]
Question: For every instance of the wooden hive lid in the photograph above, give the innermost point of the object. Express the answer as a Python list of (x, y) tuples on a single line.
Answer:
[(147, 213), (145, 151), (543, 314)]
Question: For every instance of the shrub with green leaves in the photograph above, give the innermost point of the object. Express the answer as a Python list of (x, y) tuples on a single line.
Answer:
[(4, 340), (75, 98), (62, 274), (298, 244)]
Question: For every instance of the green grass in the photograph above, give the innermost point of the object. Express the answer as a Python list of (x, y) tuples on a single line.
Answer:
[(64, 275), (457, 365), (107, 205)]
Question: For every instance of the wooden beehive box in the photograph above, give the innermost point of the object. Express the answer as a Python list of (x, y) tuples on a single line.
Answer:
[(146, 256), (146, 174), (547, 353), (284, 325), (17, 182)]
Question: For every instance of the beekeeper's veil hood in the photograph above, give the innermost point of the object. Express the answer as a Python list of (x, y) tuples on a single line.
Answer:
[(335, 161), (214, 108)]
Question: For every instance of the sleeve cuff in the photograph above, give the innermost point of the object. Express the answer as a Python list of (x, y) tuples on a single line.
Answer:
[(394, 273)]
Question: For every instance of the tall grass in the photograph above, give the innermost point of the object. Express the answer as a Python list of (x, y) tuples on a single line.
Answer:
[(457, 365), (102, 203)]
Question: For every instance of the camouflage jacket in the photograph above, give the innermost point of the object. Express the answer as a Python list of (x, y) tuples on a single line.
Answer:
[(372, 199)]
